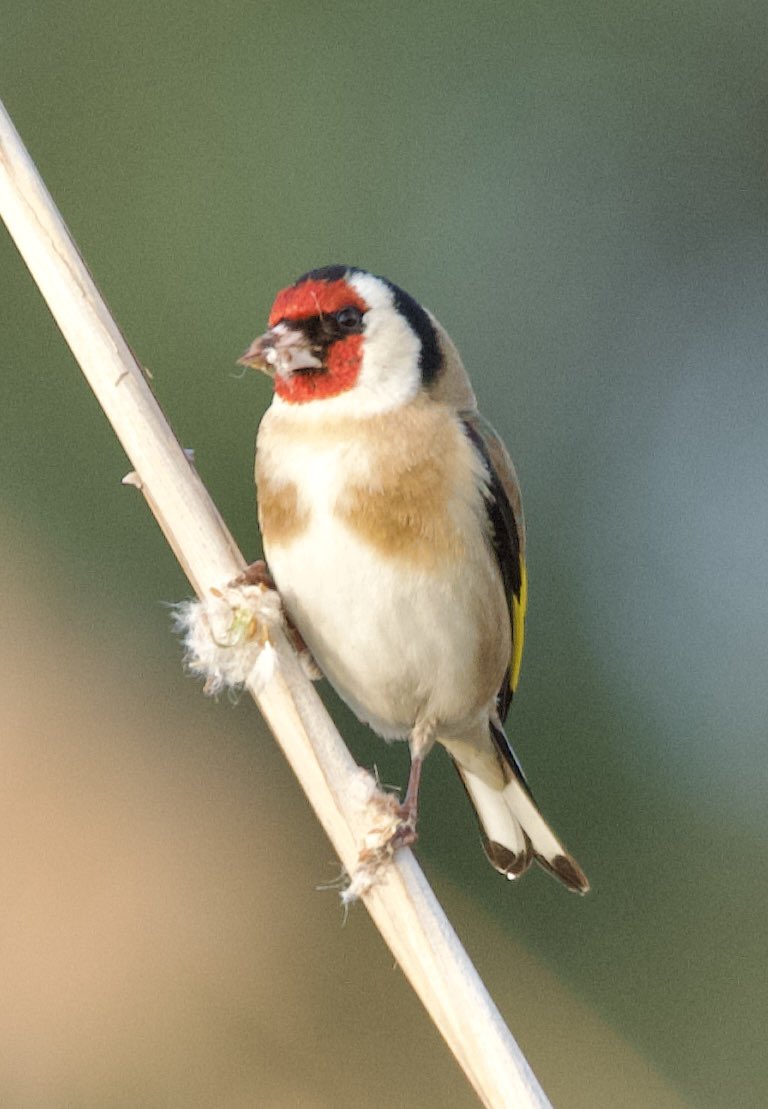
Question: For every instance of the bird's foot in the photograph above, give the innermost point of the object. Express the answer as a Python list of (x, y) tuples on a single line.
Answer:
[(397, 828), (404, 833), (394, 827), (257, 573), (390, 827)]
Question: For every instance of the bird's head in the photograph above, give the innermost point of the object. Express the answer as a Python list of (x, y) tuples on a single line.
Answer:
[(355, 342)]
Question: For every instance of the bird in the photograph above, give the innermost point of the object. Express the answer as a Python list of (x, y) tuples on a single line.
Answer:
[(393, 530)]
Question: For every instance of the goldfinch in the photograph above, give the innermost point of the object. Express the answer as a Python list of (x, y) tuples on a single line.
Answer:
[(393, 529)]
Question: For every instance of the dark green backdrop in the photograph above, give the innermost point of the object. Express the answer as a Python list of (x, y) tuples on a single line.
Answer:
[(578, 192)]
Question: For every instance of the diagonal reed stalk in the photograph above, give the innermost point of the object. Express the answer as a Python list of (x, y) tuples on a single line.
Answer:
[(402, 906)]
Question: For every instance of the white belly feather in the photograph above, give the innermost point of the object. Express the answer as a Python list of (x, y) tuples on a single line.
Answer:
[(386, 640), (399, 643)]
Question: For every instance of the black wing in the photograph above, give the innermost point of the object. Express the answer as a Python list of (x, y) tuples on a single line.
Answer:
[(505, 517)]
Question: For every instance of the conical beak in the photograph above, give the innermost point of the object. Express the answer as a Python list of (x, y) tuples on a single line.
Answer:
[(281, 350)]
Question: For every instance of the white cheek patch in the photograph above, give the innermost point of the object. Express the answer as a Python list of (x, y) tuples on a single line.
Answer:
[(390, 373)]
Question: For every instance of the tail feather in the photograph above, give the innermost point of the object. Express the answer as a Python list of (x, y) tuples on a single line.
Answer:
[(514, 831), (506, 844)]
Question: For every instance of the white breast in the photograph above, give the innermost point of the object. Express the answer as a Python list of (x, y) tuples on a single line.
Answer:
[(397, 643)]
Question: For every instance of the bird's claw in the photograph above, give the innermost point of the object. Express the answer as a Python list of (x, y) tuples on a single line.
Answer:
[(257, 573)]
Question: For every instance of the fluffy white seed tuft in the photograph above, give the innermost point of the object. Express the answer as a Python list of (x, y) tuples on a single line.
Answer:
[(379, 842), (227, 636)]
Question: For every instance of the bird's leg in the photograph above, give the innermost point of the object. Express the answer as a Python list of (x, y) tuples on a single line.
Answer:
[(397, 827), (421, 742)]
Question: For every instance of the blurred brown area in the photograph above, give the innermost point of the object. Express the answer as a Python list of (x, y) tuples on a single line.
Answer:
[(162, 938)]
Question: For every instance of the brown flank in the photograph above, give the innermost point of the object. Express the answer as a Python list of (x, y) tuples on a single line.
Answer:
[(280, 518), (406, 517), (402, 506)]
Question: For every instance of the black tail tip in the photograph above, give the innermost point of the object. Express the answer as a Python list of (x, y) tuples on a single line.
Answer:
[(508, 863), (566, 870)]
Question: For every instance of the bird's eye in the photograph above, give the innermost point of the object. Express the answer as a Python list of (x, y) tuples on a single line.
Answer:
[(349, 319)]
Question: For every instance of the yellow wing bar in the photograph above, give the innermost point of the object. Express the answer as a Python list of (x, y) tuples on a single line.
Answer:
[(519, 605)]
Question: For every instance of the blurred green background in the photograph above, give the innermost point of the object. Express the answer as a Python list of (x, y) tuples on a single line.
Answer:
[(578, 191)]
